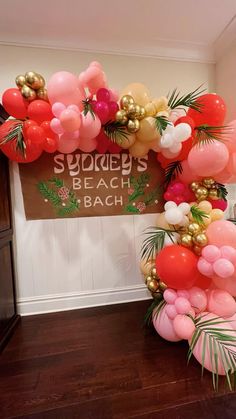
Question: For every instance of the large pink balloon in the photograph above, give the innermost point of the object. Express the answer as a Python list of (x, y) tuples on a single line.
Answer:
[(64, 87), (87, 145), (221, 233), (209, 363), (228, 284), (208, 159), (164, 326), (90, 126), (67, 145), (230, 136), (221, 303)]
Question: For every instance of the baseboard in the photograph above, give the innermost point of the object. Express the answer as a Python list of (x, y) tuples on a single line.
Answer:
[(72, 301)]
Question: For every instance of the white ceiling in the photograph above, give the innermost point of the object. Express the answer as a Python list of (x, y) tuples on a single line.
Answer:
[(183, 29)]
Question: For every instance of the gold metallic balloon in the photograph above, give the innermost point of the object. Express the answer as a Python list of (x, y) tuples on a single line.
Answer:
[(154, 273), (213, 194), (208, 182), (153, 285), (28, 93), (121, 117), (42, 94), (20, 81), (133, 125), (41, 80), (194, 228), (186, 240), (148, 279), (194, 186), (146, 266), (197, 250), (150, 109), (200, 239), (142, 112), (131, 111), (162, 286), (201, 193), (125, 101)]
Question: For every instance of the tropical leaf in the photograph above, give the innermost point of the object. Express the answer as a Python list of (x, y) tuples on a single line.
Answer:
[(198, 215), (155, 241), (206, 134), (222, 191), (16, 133), (157, 305), (116, 132), (172, 171), (221, 344), (87, 104), (188, 100), (161, 123)]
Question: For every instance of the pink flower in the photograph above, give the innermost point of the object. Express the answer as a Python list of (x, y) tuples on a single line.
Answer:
[(130, 191), (141, 206), (63, 193)]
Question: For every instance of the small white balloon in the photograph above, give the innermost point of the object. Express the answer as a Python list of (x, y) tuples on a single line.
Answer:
[(169, 129), (176, 148), (170, 204), (173, 216), (184, 207), (166, 141), (182, 132)]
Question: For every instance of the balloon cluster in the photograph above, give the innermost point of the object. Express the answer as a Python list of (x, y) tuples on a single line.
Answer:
[(130, 113), (173, 137), (206, 188), (218, 261), (176, 214), (104, 106), (32, 86), (195, 237), (178, 192)]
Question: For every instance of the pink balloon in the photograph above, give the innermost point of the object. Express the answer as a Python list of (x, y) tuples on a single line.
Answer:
[(90, 127), (64, 87), (228, 284), (87, 145), (73, 108), (232, 321), (187, 176), (183, 326), (208, 159), (223, 268), (182, 305), (56, 126), (221, 303), (204, 267), (70, 120), (209, 363), (183, 293), (229, 253), (170, 296), (221, 232), (211, 253), (164, 326), (231, 136), (171, 311), (66, 145), (57, 108), (198, 299)]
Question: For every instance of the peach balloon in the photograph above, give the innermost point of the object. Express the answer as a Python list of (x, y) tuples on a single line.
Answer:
[(139, 149), (161, 221), (139, 92), (147, 131), (87, 145), (227, 284), (164, 326), (221, 233), (221, 303)]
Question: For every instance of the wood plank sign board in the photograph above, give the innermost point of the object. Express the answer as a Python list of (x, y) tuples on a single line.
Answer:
[(91, 184)]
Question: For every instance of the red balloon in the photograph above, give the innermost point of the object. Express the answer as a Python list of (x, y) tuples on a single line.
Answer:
[(114, 148), (14, 103), (40, 111), (50, 145), (36, 134), (213, 110), (186, 147), (32, 151), (202, 281), (47, 129), (26, 124), (187, 120), (176, 266)]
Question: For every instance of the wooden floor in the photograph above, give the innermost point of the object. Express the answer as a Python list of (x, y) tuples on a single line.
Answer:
[(101, 364)]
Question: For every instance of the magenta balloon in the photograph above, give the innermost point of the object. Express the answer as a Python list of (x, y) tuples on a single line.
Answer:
[(208, 159), (64, 87), (102, 111), (164, 326), (221, 233)]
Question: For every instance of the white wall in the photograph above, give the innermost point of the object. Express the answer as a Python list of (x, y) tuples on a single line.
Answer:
[(225, 78), (72, 263)]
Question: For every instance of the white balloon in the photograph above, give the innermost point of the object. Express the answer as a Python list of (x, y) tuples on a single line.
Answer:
[(169, 129), (166, 141), (173, 216), (170, 204), (176, 148), (184, 207), (182, 132)]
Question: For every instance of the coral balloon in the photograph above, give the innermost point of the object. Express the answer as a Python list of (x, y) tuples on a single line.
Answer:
[(208, 159), (90, 126), (64, 87), (221, 303), (40, 111), (14, 103), (213, 110), (227, 284), (176, 266), (187, 175), (87, 145), (66, 145), (70, 120)]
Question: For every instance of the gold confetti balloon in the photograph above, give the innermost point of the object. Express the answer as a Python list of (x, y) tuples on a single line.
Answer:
[(133, 125), (126, 101), (20, 81), (28, 93)]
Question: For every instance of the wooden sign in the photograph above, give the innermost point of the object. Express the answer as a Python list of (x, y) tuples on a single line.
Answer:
[(91, 184)]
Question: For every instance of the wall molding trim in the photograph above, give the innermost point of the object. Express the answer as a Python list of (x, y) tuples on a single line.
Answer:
[(72, 301), (163, 49)]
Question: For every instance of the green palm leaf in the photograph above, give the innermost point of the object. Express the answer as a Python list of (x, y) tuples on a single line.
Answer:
[(188, 100), (155, 241)]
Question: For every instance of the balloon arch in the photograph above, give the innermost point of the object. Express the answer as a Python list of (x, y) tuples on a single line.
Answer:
[(189, 256)]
